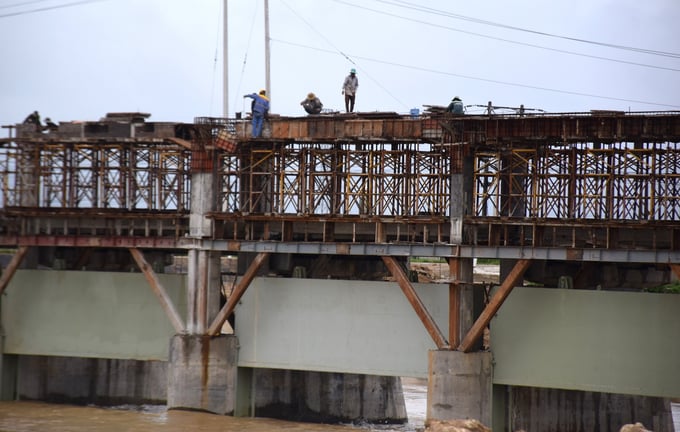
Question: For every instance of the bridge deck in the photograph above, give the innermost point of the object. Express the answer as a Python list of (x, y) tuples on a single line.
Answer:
[(605, 180)]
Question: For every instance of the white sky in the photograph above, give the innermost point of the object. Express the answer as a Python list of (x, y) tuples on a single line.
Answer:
[(164, 57)]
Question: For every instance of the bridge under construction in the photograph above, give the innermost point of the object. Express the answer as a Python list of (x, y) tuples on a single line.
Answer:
[(575, 201)]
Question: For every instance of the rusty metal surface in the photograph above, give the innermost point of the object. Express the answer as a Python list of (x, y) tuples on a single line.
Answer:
[(599, 179)]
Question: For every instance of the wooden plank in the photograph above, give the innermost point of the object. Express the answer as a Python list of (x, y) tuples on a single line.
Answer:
[(494, 304), (417, 304), (12, 267), (159, 291), (236, 294)]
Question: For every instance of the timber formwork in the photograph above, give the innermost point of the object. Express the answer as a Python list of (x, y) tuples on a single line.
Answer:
[(601, 180)]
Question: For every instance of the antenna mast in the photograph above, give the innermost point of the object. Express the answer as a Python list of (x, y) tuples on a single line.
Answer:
[(266, 50), (225, 63)]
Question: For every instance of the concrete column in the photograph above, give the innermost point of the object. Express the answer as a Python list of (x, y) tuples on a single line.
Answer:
[(461, 204), (459, 386), (202, 201), (204, 278), (203, 267), (202, 373)]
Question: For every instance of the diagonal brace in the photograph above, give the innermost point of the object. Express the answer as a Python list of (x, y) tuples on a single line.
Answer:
[(158, 289), (236, 295), (12, 267), (410, 293), (494, 304)]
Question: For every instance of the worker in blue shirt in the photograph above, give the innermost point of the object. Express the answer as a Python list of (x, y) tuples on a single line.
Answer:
[(260, 109)]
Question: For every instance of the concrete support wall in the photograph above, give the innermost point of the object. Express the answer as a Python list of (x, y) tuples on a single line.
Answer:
[(202, 373), (536, 409), (326, 397), (459, 386), (89, 380)]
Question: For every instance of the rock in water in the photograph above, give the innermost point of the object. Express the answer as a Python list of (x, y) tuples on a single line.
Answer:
[(455, 426), (637, 427)]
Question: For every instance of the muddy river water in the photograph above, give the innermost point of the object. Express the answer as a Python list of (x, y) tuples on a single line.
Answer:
[(24, 416), (36, 416)]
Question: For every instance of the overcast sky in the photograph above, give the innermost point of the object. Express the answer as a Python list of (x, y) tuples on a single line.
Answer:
[(78, 60)]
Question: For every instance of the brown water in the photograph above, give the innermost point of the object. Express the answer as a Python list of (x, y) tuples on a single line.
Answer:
[(36, 416), (21, 416)]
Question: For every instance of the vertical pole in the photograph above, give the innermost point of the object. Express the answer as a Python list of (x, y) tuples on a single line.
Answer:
[(225, 63), (266, 51), (454, 302)]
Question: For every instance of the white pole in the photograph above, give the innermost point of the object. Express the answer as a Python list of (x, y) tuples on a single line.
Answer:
[(266, 51), (225, 64)]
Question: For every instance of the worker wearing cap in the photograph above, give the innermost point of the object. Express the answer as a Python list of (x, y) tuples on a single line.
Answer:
[(312, 104), (260, 109), (349, 89), (456, 106)]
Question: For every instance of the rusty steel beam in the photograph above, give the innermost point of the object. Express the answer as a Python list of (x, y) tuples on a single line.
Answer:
[(92, 241), (12, 267), (494, 304), (159, 291), (676, 269), (454, 301), (236, 294), (417, 304)]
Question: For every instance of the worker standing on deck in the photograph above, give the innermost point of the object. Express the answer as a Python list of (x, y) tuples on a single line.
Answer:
[(456, 106), (34, 118), (349, 89), (312, 104), (260, 110)]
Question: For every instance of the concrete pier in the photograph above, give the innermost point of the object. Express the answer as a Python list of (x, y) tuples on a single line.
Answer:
[(459, 386), (202, 373)]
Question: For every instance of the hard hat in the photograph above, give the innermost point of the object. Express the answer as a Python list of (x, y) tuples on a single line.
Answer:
[(263, 92), (310, 96), (353, 71)]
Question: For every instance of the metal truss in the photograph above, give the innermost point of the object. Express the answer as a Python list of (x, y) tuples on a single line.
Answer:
[(622, 181), (339, 179), (562, 181), (139, 175)]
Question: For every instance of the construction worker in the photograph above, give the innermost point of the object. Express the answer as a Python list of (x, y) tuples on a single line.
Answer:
[(456, 106), (349, 89), (260, 110), (34, 118), (312, 104), (50, 126)]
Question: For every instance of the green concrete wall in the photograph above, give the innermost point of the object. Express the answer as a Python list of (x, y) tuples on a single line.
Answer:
[(88, 314), (601, 341), (337, 326)]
